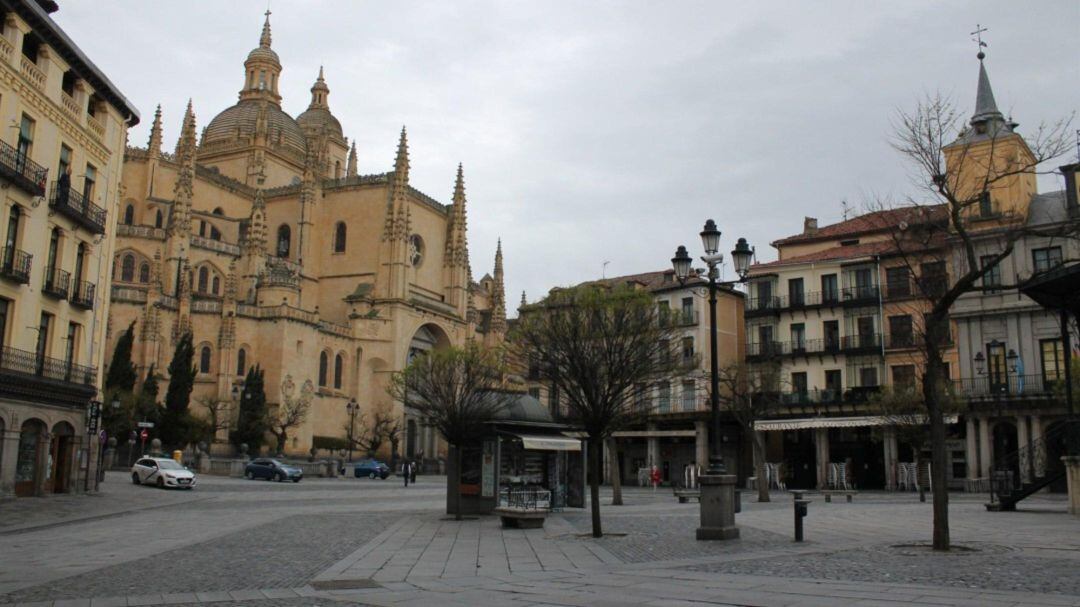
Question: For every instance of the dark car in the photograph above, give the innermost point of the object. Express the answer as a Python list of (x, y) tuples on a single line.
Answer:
[(271, 469), (371, 469)]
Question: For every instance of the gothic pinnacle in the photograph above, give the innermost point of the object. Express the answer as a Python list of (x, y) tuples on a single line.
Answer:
[(264, 39), (401, 162), (154, 146), (350, 170)]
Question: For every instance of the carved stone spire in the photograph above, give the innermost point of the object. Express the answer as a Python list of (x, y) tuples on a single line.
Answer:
[(154, 145), (457, 246), (180, 222), (498, 294), (264, 39), (397, 218), (350, 170), (255, 239), (319, 93)]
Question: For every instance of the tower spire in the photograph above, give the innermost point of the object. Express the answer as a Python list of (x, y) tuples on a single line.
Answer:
[(498, 294), (350, 170), (154, 146), (264, 39), (319, 92), (401, 162)]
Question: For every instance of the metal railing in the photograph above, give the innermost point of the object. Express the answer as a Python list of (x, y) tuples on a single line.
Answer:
[(128, 294), (1018, 474), (206, 306), (82, 295), (32, 364), (123, 229), (860, 343), (215, 245), (56, 283), (682, 318), (23, 172), (1013, 386), (859, 295), (73, 205), (15, 264), (758, 306)]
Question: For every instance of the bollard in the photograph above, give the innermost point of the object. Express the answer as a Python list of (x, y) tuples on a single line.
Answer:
[(800, 505)]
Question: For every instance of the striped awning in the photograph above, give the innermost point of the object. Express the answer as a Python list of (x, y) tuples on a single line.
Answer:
[(770, 425)]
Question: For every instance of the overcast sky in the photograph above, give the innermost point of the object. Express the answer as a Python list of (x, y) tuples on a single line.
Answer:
[(605, 131)]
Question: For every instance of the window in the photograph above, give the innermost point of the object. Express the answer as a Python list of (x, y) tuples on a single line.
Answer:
[(324, 364), (215, 285), (283, 237), (831, 331), (127, 268), (798, 382), (1052, 356), (864, 327), (215, 234), (67, 84), (798, 336), (689, 396), (339, 237), (864, 283), (833, 386), (641, 398), (54, 246), (992, 277), (42, 348), (765, 340), (204, 359), (80, 257), (30, 47), (665, 351), (688, 350), (933, 278), (339, 369), (72, 342), (129, 215), (12, 237), (868, 377), (65, 160), (5, 312), (903, 376), (663, 311), (898, 281), (829, 292), (900, 332), (796, 296), (1046, 259), (88, 183), (995, 367), (764, 295), (202, 228), (241, 361), (986, 206), (144, 273), (218, 211), (688, 309), (204, 279), (159, 220), (665, 397)]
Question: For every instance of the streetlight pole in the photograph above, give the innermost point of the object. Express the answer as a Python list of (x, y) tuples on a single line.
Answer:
[(352, 407), (717, 487)]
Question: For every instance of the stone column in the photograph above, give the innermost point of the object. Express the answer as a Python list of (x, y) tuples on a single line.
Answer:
[(653, 445), (701, 444), (821, 441), (10, 446), (971, 452), (891, 458), (1036, 435), (1072, 478), (1021, 444), (984, 448), (717, 507)]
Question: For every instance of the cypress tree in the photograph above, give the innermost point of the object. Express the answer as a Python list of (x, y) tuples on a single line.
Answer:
[(121, 374), (148, 409), (251, 423), (177, 397)]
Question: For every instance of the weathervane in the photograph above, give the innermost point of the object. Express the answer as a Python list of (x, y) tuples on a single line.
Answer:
[(979, 29)]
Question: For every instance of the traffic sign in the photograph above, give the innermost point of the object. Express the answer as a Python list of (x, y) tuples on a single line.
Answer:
[(144, 434), (146, 424)]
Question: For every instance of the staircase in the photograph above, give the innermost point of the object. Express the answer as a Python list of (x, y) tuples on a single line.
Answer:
[(1019, 474)]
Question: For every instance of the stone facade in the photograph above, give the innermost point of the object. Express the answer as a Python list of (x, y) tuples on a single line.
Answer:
[(265, 241), (59, 194)]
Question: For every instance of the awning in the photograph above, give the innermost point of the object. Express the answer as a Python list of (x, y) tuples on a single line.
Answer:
[(839, 422), (547, 442)]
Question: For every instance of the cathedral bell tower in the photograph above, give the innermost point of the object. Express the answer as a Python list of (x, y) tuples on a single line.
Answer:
[(261, 70)]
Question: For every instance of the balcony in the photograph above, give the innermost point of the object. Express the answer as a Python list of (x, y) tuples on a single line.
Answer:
[(987, 388), (861, 344), (23, 172), (685, 318), (859, 295), (56, 283), (28, 375), (83, 295), (215, 245), (152, 233), (15, 265), (76, 207), (761, 306), (764, 350)]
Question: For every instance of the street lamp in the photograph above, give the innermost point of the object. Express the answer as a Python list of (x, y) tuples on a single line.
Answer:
[(717, 512), (353, 408)]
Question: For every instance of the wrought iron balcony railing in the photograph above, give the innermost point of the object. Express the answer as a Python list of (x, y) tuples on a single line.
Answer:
[(15, 264), (853, 344), (859, 295), (56, 283), (83, 295), (33, 365), (1010, 387), (23, 172), (73, 205)]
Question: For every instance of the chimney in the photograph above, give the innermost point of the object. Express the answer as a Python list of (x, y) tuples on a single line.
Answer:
[(1072, 207), (809, 226)]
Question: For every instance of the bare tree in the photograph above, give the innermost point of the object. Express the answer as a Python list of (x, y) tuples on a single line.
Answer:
[(371, 432), (218, 416), (752, 394), (601, 348), (292, 411), (963, 170), (457, 391)]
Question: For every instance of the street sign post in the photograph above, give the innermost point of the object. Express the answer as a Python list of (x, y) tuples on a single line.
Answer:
[(146, 424)]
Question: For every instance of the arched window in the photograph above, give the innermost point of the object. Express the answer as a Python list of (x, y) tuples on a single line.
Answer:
[(204, 278), (129, 215), (214, 233), (159, 220), (127, 268), (216, 289), (202, 228), (204, 359), (241, 361), (339, 237), (144, 273), (218, 211), (339, 368), (283, 237), (323, 364)]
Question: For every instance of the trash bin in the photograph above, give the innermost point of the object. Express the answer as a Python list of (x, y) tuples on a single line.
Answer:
[(178, 455)]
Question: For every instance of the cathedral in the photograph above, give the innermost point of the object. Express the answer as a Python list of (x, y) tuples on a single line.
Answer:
[(263, 240)]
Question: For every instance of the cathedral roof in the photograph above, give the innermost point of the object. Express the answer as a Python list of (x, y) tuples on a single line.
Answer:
[(320, 118), (240, 120)]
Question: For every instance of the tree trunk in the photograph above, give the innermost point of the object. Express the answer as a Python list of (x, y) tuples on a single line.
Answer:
[(938, 453), (759, 465), (596, 456), (613, 471), (457, 484)]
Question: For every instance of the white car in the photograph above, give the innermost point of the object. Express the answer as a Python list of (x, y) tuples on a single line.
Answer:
[(163, 472)]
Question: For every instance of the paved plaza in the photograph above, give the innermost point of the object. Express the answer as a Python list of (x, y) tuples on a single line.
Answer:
[(368, 542)]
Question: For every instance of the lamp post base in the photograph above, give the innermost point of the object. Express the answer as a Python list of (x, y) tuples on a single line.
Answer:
[(717, 507)]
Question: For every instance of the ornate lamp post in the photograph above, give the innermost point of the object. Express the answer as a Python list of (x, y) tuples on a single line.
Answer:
[(717, 487), (353, 408)]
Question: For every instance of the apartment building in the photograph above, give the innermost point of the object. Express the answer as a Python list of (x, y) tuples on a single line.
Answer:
[(60, 161)]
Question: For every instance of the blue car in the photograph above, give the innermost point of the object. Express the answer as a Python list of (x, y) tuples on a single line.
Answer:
[(371, 469), (272, 470)]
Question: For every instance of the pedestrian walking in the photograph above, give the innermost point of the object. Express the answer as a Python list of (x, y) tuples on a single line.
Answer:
[(405, 471), (412, 471), (655, 477)]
